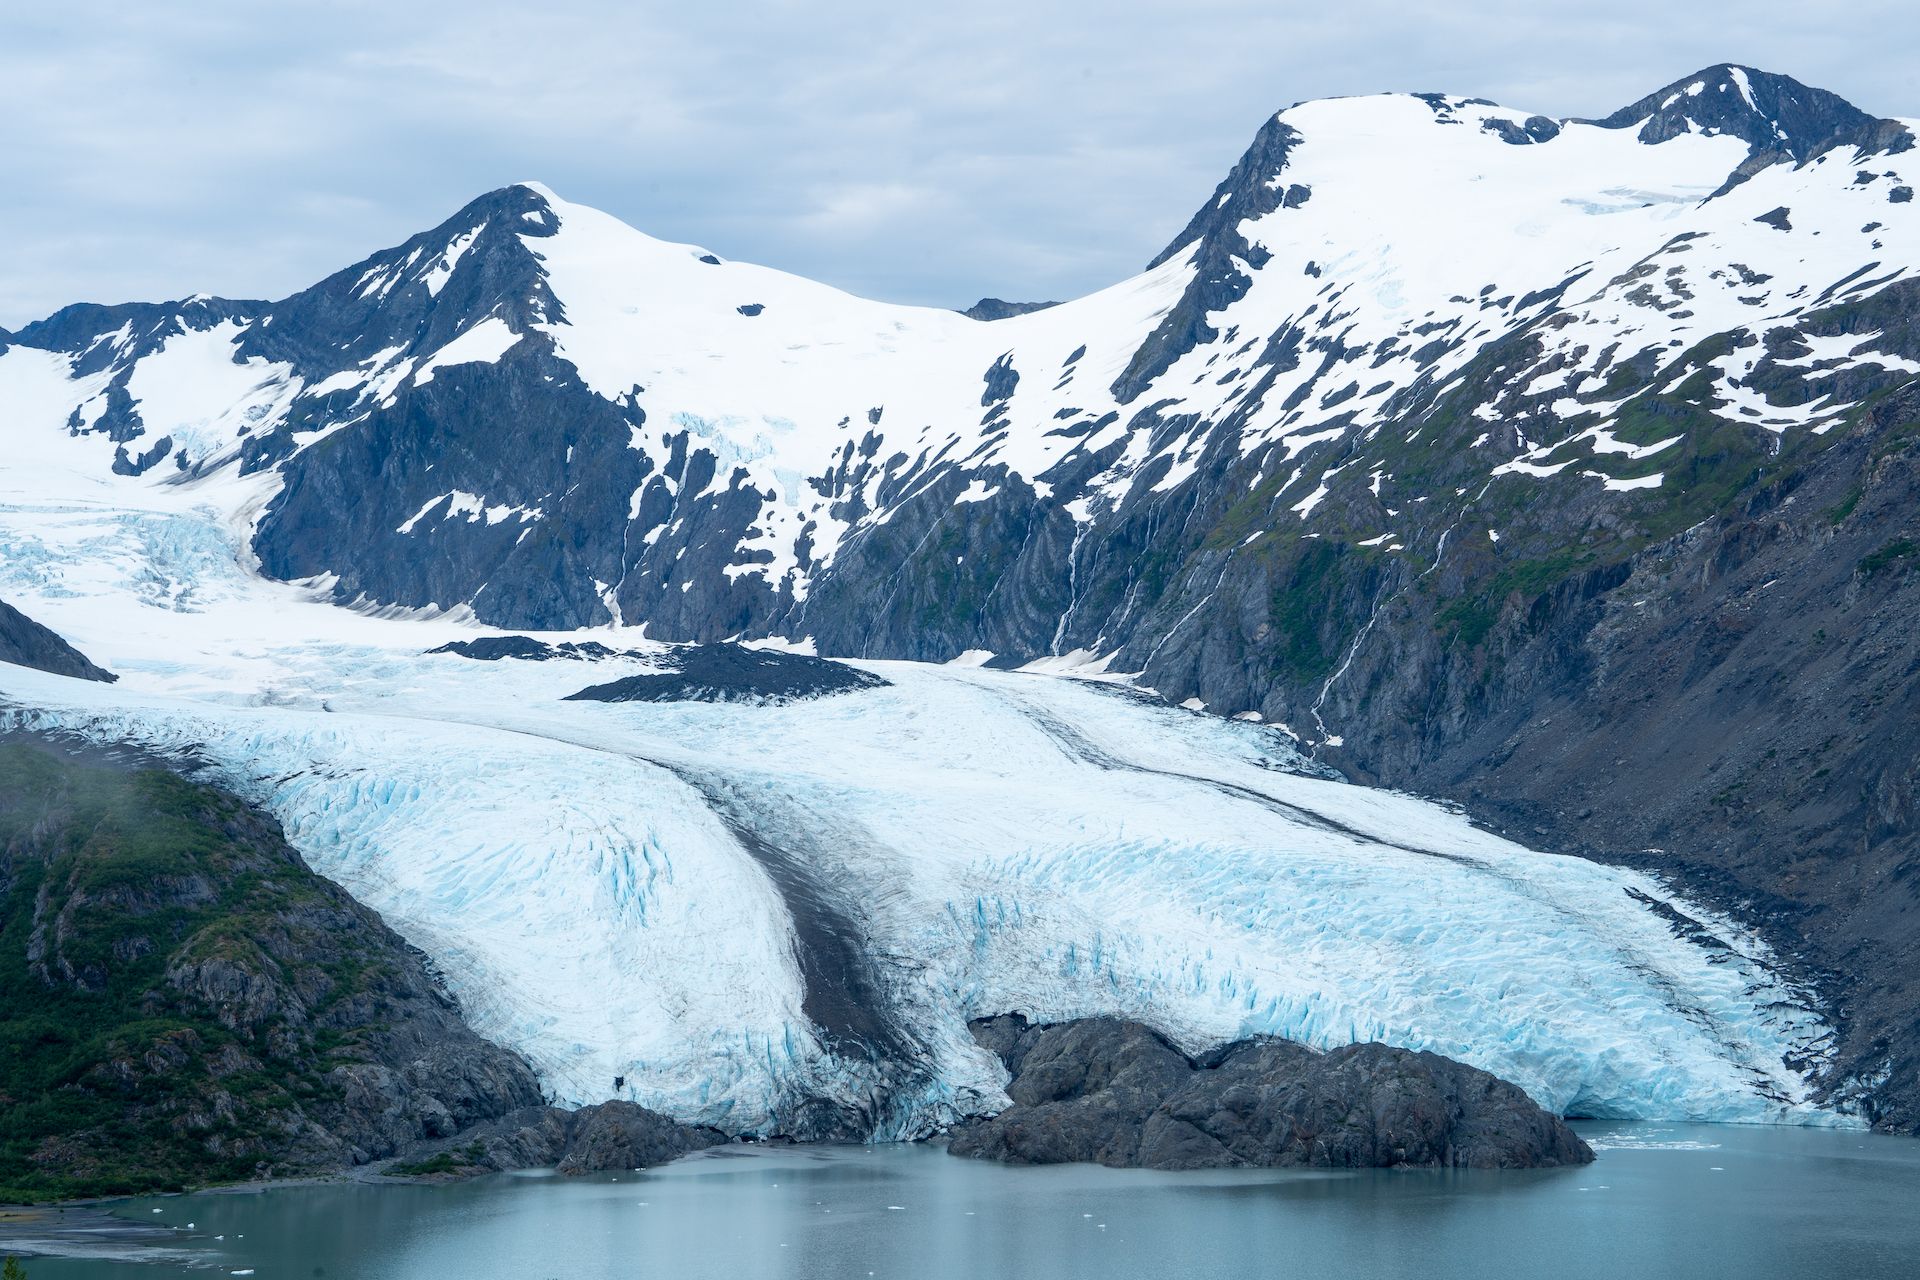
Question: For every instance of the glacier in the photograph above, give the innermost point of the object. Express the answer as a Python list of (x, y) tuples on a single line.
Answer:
[(779, 917)]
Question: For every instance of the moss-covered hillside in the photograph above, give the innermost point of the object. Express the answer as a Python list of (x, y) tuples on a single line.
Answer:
[(183, 1001)]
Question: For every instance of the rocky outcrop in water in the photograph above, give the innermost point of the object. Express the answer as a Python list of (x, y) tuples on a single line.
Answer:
[(1117, 1093), (606, 1136)]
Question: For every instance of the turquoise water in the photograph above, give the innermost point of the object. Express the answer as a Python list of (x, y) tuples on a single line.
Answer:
[(1698, 1201)]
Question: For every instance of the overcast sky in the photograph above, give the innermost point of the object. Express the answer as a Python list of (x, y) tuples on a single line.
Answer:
[(918, 153)]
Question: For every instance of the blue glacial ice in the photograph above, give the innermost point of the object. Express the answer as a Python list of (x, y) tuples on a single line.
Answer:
[(998, 841)]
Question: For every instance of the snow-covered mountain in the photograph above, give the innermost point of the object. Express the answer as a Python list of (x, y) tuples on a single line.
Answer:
[(1425, 439), (538, 413)]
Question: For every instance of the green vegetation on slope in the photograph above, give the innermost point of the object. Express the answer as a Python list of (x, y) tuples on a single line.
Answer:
[(1887, 556), (146, 1038)]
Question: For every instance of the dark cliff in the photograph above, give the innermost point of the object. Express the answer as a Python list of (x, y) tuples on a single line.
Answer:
[(26, 643)]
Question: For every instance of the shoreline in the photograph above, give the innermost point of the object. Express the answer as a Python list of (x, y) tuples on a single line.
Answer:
[(87, 1230), (373, 1174)]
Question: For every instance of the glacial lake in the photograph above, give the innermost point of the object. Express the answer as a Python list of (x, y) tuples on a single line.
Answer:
[(1695, 1201)]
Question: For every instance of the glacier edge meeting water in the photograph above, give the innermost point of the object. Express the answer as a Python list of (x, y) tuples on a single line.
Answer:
[(1002, 841)]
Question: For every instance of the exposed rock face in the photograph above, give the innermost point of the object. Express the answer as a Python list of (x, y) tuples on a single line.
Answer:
[(1732, 706), (1773, 113), (26, 643), (527, 649), (734, 673), (1116, 1093), (1001, 309), (1222, 256), (719, 672)]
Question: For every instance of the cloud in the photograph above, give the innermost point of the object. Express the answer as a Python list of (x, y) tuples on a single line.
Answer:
[(916, 153)]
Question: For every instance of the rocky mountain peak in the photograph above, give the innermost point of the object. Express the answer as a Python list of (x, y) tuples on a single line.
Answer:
[(1255, 187), (421, 294), (1248, 191), (1771, 113)]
